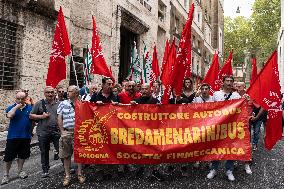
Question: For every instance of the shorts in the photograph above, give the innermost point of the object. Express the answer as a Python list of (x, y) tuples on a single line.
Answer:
[(17, 148), (66, 144)]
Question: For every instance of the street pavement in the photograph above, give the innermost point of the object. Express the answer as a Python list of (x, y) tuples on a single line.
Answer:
[(267, 167)]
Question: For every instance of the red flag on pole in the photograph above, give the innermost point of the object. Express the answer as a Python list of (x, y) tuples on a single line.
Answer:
[(60, 49), (227, 68), (253, 71), (169, 73), (212, 74), (166, 54), (184, 54), (99, 65), (266, 92), (155, 66), (169, 68)]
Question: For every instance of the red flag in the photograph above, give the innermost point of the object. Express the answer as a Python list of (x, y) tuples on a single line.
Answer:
[(166, 95), (155, 66), (253, 71), (169, 73), (227, 68), (169, 68), (266, 92), (99, 65), (184, 54), (212, 74), (165, 58), (60, 49)]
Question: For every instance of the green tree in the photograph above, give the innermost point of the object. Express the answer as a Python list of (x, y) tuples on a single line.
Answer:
[(257, 34), (237, 35), (265, 23)]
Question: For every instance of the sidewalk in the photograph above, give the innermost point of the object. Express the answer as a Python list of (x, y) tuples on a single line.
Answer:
[(3, 137)]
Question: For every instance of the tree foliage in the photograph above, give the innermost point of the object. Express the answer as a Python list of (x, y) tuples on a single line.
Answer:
[(257, 34)]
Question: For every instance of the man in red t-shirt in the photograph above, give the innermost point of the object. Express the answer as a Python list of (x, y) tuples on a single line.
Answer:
[(130, 94)]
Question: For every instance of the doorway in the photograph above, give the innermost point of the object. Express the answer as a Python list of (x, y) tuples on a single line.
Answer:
[(127, 39)]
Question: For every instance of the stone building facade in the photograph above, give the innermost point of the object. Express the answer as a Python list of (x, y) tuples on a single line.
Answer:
[(27, 29)]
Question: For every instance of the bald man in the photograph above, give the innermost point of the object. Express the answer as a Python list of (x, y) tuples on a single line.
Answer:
[(146, 97), (130, 93), (19, 136), (66, 124), (241, 88)]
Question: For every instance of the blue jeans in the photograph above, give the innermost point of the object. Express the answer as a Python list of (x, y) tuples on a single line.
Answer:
[(256, 131), (229, 165)]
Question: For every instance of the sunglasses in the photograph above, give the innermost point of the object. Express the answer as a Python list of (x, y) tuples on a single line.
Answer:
[(49, 92)]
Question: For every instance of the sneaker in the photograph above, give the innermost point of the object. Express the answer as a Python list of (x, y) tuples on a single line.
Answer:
[(230, 175), (248, 170), (66, 181), (23, 175), (5, 180), (254, 147), (72, 171), (81, 179), (45, 175), (212, 174), (196, 164), (56, 156)]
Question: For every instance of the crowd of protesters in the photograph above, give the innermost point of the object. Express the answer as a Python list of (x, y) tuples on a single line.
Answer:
[(54, 117)]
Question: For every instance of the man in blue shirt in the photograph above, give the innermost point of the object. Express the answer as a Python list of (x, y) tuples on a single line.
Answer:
[(19, 136)]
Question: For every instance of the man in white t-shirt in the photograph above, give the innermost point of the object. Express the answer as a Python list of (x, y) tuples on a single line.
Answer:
[(226, 93), (204, 94)]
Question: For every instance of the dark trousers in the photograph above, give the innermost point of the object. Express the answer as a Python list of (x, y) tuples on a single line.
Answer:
[(44, 145)]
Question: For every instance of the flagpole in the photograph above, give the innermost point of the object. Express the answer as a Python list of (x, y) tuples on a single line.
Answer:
[(74, 69)]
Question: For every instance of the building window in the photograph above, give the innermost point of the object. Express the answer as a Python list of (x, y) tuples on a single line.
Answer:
[(8, 66), (198, 17), (77, 73), (176, 25), (162, 11), (185, 3)]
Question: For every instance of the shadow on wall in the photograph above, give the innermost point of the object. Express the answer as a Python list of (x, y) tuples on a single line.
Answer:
[(42, 7)]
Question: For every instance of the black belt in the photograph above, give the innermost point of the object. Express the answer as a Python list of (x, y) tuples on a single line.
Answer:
[(66, 129)]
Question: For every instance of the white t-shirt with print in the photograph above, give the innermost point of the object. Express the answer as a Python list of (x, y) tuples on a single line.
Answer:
[(221, 96)]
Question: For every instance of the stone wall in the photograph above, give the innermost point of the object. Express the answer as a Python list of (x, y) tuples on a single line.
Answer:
[(36, 30)]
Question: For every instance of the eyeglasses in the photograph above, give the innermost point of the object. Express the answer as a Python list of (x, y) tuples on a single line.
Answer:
[(21, 98), (60, 91)]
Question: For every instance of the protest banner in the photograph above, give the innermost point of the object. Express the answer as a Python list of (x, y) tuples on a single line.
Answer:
[(153, 134)]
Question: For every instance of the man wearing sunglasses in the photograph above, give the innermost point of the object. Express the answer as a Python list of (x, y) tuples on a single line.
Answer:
[(61, 94)]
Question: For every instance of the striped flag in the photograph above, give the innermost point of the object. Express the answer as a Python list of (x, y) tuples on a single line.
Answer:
[(87, 67), (147, 65), (135, 69)]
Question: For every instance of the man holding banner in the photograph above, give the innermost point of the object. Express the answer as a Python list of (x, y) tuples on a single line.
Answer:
[(147, 98), (225, 94)]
